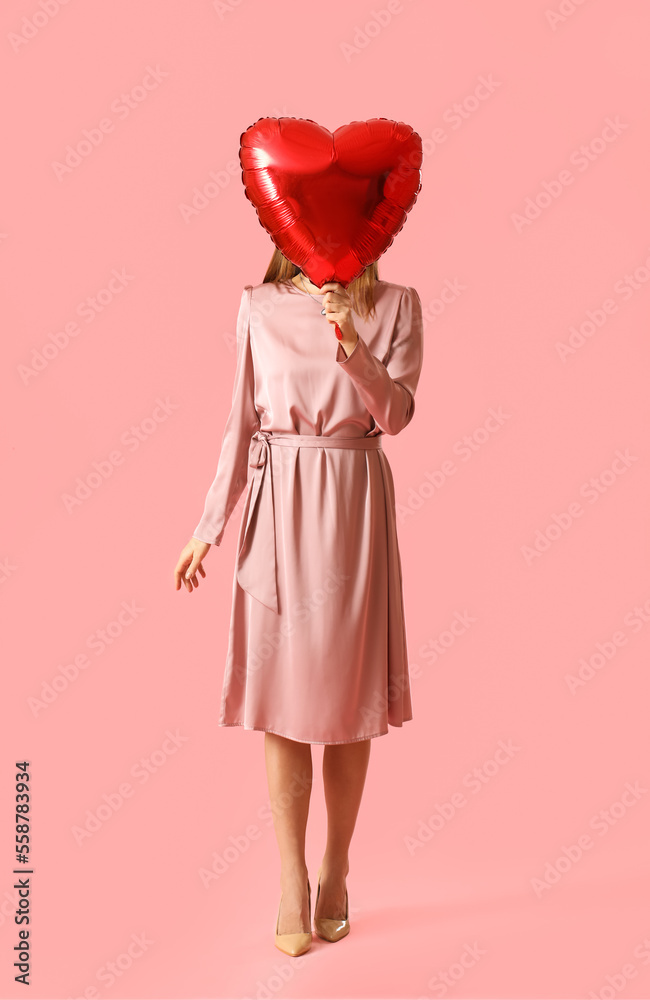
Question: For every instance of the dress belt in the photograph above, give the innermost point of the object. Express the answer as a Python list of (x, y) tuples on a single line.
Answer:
[(256, 560)]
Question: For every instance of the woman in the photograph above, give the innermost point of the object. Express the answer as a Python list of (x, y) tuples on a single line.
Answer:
[(317, 648)]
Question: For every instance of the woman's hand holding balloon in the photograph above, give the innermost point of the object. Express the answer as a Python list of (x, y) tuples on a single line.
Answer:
[(338, 311)]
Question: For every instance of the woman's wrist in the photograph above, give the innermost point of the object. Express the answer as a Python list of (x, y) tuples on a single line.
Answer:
[(349, 343)]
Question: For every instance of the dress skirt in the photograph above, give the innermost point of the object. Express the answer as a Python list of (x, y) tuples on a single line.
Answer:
[(317, 648)]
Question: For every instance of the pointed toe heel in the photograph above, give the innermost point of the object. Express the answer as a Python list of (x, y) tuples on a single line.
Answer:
[(297, 943), (331, 928)]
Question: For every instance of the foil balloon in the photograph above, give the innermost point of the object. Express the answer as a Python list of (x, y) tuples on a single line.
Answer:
[(332, 202)]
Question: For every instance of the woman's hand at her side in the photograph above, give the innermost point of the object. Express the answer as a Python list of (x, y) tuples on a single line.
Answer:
[(190, 562), (338, 309)]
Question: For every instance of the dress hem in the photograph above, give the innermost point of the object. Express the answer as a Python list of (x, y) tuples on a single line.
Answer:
[(296, 739)]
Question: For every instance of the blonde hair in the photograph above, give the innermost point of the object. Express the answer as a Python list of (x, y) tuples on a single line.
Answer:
[(361, 290)]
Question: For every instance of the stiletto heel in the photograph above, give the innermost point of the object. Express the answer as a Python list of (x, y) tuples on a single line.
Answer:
[(331, 928), (297, 943)]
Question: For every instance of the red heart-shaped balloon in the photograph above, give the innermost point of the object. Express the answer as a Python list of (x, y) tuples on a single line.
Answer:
[(331, 202)]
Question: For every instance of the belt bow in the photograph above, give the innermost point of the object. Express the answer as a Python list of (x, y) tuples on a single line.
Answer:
[(256, 564)]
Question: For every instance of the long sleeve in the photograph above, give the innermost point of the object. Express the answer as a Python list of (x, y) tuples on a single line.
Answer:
[(242, 422), (388, 391)]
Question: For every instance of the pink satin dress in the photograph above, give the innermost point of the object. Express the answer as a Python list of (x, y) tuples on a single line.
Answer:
[(317, 647)]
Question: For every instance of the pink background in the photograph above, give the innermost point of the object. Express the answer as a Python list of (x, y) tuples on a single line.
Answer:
[(464, 902)]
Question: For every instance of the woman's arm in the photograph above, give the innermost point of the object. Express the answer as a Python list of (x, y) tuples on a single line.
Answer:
[(388, 391), (243, 421)]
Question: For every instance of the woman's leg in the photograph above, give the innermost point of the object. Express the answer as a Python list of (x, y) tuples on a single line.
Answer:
[(289, 774), (344, 773)]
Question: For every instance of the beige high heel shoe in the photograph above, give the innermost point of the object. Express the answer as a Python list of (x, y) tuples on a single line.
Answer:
[(331, 928), (297, 943)]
